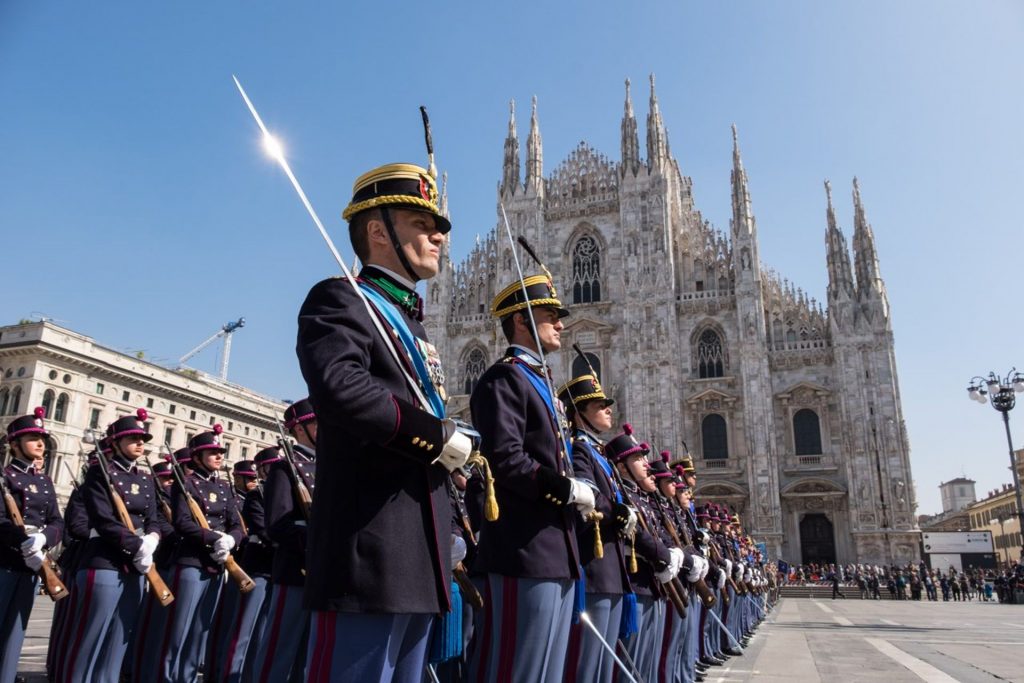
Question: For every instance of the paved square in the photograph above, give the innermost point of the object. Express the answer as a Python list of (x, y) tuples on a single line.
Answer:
[(868, 640)]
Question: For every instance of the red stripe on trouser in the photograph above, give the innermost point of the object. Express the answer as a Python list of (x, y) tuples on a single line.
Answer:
[(69, 662), (509, 619), (666, 643), (700, 638), (140, 638), (169, 624), (572, 654), (275, 631), (483, 644), (236, 633), (320, 646), (65, 632)]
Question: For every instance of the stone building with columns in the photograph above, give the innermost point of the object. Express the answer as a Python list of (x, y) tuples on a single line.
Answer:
[(791, 409)]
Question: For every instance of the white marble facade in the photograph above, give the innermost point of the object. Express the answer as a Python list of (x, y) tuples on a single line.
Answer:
[(791, 409)]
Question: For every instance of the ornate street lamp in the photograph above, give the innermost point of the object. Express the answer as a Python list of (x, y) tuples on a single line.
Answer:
[(1003, 394)]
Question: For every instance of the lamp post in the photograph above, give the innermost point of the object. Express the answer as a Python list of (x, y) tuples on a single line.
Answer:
[(1003, 393)]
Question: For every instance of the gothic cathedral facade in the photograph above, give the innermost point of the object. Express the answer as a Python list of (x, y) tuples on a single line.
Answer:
[(791, 411)]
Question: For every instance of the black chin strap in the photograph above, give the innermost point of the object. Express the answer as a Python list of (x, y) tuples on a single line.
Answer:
[(386, 216)]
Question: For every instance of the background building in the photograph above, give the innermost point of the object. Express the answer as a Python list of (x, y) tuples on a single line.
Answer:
[(791, 410), (957, 494), (85, 385), (997, 512)]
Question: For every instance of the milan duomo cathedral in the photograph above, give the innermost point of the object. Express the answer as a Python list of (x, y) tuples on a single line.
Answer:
[(791, 410)]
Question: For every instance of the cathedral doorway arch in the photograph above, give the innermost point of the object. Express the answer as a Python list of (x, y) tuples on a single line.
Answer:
[(817, 539)]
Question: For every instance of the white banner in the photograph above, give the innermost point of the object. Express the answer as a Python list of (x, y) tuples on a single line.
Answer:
[(957, 542)]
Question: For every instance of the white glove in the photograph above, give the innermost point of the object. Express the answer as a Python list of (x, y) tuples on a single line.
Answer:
[(722, 576), (728, 566), (699, 565), (220, 556), (458, 550), (582, 496), (35, 560), (223, 545), (707, 567), (149, 543), (33, 544), (675, 561), (746, 575), (631, 524), (143, 562), (456, 451), (737, 571)]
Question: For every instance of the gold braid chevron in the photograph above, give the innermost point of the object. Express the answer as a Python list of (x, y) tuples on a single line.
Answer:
[(353, 209)]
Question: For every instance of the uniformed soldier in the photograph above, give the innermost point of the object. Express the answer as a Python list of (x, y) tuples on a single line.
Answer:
[(23, 549), (606, 577), (199, 568), (659, 563), (529, 553), (221, 663), (378, 562), (282, 651), (115, 560)]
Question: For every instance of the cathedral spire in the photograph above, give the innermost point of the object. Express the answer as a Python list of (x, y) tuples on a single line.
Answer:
[(837, 255), (510, 169), (657, 137), (534, 153), (630, 137), (743, 223), (869, 278)]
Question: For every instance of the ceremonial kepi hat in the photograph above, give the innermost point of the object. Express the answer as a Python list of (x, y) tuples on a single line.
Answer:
[(163, 469), (578, 391), (267, 456), (130, 425), (735, 521), (624, 445), (27, 424), (540, 290), (681, 479), (703, 512), (684, 461), (660, 470), (182, 456), (298, 412), (207, 441), (403, 186), (244, 468)]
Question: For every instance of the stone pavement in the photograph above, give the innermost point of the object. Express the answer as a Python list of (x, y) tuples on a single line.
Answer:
[(866, 640), (821, 640)]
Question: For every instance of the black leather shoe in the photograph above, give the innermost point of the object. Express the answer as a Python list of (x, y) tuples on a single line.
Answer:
[(733, 652)]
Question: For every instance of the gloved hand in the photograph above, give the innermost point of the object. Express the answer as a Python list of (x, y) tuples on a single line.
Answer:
[(625, 517), (700, 565), (720, 584), (728, 566), (737, 571), (33, 544), (675, 561), (35, 560), (143, 562), (457, 449), (220, 556), (458, 550), (149, 543), (222, 546), (706, 569), (582, 496)]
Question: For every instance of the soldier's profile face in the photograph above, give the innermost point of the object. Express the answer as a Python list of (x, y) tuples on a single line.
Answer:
[(32, 446), (598, 414), (549, 328), (421, 240)]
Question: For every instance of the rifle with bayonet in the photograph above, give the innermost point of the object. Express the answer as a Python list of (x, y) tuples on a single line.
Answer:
[(234, 570), (156, 582), (302, 494)]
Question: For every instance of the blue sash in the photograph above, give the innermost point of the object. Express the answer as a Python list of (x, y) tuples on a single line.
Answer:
[(542, 388), (394, 318), (603, 462)]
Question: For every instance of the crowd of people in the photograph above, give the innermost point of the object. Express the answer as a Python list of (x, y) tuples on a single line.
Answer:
[(913, 582)]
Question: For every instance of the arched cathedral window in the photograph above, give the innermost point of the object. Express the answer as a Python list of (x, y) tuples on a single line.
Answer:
[(579, 366), (714, 437), (710, 355), (586, 271), (475, 366), (806, 432)]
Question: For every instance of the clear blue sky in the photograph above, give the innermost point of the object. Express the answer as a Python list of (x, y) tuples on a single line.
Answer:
[(136, 207)]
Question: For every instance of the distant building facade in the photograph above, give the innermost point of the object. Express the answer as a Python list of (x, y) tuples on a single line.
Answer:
[(997, 512), (792, 412), (957, 494), (84, 385)]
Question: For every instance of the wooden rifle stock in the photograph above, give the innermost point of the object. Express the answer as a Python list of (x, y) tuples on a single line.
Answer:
[(55, 588), (237, 574), (302, 494), (674, 595), (466, 586), (156, 582)]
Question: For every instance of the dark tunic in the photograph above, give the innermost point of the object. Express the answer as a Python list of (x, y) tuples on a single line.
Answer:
[(111, 545), (76, 533), (651, 551), (258, 554), (608, 575), (380, 539), (35, 497), (285, 525), (216, 499), (533, 537)]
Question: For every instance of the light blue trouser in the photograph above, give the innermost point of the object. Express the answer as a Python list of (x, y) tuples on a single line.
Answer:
[(384, 648), (644, 646), (148, 641), (17, 593), (285, 639), (691, 628), (196, 592), (524, 632), (102, 625), (593, 662)]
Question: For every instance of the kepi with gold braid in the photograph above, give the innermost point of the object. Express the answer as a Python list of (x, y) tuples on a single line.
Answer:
[(684, 461), (579, 390), (541, 292), (403, 186)]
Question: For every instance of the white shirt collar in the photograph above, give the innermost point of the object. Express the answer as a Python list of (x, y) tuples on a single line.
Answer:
[(533, 354), (404, 281)]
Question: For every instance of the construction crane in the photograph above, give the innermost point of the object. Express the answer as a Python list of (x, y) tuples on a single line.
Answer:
[(225, 332)]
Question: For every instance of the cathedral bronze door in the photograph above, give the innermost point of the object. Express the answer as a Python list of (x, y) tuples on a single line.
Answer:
[(817, 540)]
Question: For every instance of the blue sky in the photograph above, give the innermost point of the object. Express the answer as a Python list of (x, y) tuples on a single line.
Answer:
[(136, 206)]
